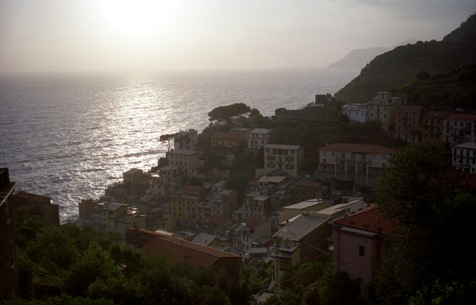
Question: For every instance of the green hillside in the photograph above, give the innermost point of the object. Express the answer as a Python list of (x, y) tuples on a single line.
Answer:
[(397, 67), (456, 89)]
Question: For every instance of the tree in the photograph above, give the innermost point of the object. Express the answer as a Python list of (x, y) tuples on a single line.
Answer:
[(341, 290), (421, 193), (225, 112)]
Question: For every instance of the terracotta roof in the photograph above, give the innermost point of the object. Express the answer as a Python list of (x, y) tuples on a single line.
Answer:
[(461, 117), (308, 183), (193, 189), (226, 136), (32, 197), (253, 182), (220, 220), (253, 223), (358, 148), (180, 250), (410, 107), (366, 219), (436, 114)]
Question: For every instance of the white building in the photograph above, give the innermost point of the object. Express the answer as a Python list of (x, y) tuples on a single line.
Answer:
[(459, 128), (258, 138), (464, 157), (355, 112), (360, 163)]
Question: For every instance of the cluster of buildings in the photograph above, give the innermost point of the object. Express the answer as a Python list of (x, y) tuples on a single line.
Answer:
[(284, 215), (414, 124), (324, 108)]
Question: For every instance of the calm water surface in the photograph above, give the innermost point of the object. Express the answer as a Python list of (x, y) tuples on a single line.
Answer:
[(69, 136)]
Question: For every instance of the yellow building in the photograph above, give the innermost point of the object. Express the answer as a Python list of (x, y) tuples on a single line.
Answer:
[(382, 108), (285, 158), (432, 126)]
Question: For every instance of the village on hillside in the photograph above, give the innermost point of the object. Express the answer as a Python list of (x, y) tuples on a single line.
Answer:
[(190, 207)]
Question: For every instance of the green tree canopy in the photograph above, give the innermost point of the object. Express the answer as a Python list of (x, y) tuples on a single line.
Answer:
[(225, 112), (423, 196)]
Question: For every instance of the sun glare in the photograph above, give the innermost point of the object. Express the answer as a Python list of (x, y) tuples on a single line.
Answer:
[(138, 17)]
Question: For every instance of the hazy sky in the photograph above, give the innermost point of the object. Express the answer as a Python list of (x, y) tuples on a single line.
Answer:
[(126, 35)]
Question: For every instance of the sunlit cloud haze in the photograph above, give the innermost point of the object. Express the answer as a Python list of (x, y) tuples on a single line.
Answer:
[(137, 35)]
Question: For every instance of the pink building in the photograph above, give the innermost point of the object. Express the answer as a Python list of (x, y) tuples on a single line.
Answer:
[(358, 241), (408, 122)]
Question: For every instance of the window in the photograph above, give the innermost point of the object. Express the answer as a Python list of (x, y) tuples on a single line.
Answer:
[(361, 250)]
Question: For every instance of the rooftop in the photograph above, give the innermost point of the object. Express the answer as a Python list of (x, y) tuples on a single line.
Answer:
[(33, 197), (225, 136), (282, 146), (185, 152), (337, 208), (358, 148), (204, 239), (436, 114), (301, 226), (272, 179), (367, 219), (261, 130), (253, 223), (308, 183), (410, 107), (180, 250), (461, 117), (468, 145), (193, 189), (303, 204), (133, 171), (113, 206)]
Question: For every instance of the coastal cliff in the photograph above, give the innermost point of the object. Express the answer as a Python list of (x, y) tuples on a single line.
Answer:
[(391, 70)]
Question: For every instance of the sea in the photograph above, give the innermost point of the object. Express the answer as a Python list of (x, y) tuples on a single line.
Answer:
[(69, 136)]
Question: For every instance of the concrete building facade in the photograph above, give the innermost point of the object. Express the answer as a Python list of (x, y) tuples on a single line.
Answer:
[(285, 158)]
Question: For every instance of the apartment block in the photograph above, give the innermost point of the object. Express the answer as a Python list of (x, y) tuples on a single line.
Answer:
[(408, 123), (258, 138), (464, 157), (361, 163), (355, 112), (432, 126), (187, 160), (459, 128), (287, 159), (186, 140), (382, 108)]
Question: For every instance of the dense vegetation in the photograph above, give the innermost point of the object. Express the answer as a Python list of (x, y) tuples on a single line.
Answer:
[(225, 112), (70, 265), (456, 89), (313, 283), (394, 68), (432, 254)]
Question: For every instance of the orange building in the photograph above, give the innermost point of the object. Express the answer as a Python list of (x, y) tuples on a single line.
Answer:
[(432, 126)]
